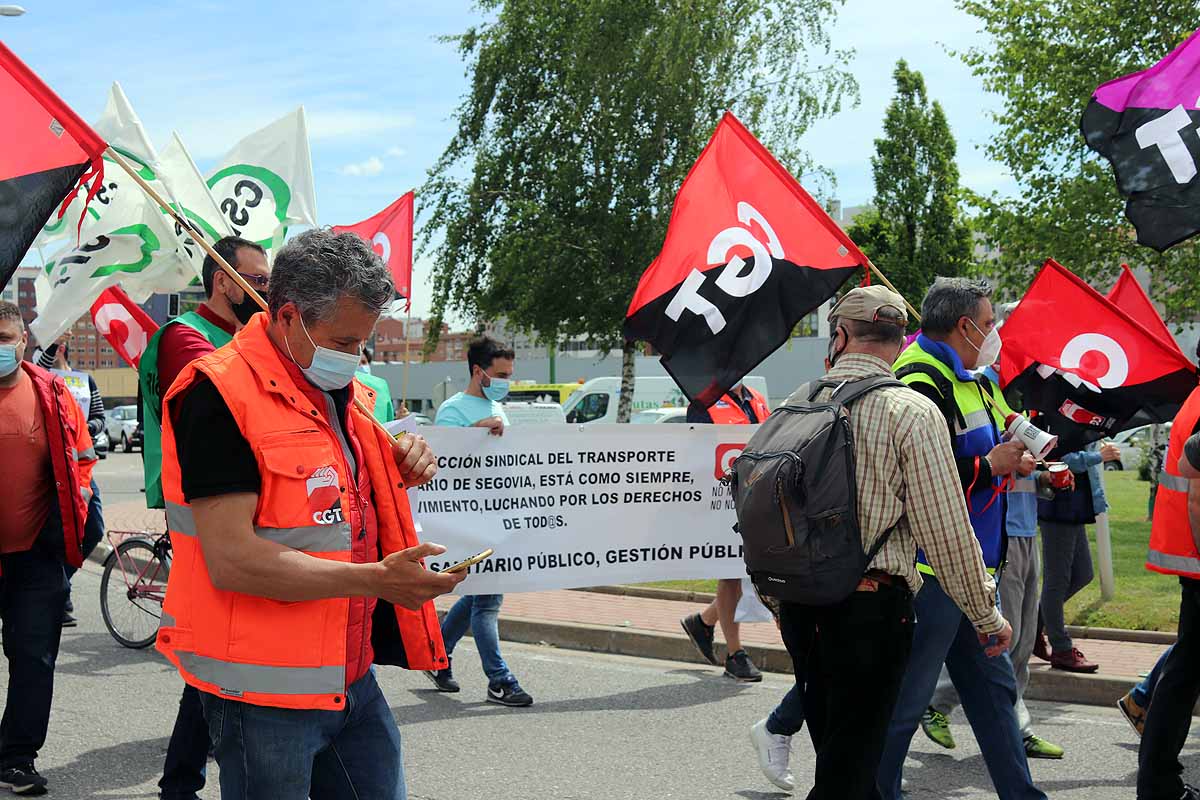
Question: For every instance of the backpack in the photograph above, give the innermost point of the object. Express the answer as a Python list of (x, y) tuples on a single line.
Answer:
[(796, 497)]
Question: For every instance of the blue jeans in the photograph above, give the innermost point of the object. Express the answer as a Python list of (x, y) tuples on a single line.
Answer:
[(1145, 690), (187, 751), (481, 613), (268, 753), (986, 687)]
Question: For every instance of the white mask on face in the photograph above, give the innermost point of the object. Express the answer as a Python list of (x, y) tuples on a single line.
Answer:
[(989, 349)]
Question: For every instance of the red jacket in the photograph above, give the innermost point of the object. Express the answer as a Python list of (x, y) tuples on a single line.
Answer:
[(72, 456)]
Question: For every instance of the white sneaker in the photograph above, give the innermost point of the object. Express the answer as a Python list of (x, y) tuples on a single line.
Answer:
[(774, 752)]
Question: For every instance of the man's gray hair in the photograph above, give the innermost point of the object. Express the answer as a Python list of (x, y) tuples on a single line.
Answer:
[(319, 267), (949, 300)]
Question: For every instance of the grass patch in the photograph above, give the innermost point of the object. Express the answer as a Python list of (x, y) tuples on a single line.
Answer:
[(1144, 600)]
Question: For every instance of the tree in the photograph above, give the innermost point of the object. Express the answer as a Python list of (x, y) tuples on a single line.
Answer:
[(581, 121), (1045, 59), (915, 231)]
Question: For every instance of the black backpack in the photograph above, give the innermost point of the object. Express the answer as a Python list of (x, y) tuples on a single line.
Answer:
[(796, 496)]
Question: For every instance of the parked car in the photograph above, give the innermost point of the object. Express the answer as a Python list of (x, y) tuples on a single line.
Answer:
[(1134, 445), (123, 429), (659, 416)]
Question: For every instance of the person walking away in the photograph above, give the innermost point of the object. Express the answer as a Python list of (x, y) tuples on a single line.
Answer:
[(1175, 550), (1066, 557), (288, 518), (182, 340), (850, 657), (83, 388), (958, 334), (740, 406), (490, 365), (48, 457)]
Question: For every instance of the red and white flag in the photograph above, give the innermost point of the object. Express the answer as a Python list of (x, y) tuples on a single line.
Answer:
[(390, 232), (1129, 296), (123, 323)]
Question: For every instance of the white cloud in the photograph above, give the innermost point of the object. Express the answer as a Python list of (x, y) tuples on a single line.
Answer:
[(397, 152), (372, 166)]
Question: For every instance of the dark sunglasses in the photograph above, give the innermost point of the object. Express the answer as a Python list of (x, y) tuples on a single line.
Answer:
[(257, 281)]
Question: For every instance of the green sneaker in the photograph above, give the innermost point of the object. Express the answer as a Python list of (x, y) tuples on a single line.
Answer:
[(1037, 747), (937, 727)]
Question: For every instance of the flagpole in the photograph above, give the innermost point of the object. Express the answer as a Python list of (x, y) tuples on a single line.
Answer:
[(872, 268), (242, 283), (404, 380)]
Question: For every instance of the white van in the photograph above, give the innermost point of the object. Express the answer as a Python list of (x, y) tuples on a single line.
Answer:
[(596, 400)]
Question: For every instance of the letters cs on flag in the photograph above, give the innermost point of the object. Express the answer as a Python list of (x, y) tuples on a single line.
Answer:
[(1092, 372), (748, 254), (1145, 124), (123, 323), (390, 233), (46, 153)]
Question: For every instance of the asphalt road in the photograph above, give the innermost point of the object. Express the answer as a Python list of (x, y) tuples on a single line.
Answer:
[(607, 727)]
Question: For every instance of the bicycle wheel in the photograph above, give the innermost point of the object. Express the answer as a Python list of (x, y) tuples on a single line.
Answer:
[(131, 592)]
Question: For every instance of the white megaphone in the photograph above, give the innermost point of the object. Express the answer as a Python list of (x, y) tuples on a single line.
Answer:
[(1036, 440)]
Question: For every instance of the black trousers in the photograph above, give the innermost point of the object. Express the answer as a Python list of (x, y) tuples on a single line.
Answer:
[(33, 589), (1160, 775), (852, 656), (187, 751)]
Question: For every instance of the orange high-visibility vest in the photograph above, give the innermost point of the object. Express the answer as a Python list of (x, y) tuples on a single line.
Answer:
[(1172, 548), (255, 649), (727, 411)]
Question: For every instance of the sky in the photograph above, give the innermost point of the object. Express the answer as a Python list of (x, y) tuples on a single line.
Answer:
[(380, 88)]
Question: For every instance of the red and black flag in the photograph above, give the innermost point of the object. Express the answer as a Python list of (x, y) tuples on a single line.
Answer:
[(1129, 296), (45, 151), (1145, 124), (390, 232), (1092, 372), (748, 254)]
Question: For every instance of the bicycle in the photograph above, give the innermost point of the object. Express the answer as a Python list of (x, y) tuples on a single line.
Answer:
[(134, 585)]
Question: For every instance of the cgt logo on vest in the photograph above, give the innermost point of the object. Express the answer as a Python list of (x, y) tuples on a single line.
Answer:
[(726, 453), (324, 496)]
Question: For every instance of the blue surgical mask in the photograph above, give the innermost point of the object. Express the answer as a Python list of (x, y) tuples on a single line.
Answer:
[(497, 390), (330, 369), (365, 369), (8, 360)]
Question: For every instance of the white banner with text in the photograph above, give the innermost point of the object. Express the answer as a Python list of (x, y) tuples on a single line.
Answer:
[(566, 506)]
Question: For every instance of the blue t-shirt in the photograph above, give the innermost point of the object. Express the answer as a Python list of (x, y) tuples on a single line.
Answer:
[(464, 410)]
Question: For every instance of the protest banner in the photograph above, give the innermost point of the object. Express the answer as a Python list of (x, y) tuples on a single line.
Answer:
[(569, 506)]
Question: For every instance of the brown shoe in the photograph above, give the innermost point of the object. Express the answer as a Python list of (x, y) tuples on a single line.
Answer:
[(1134, 714), (1072, 661), (1041, 647)]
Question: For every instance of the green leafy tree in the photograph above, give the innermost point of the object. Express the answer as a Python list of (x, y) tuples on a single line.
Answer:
[(915, 231), (581, 121), (1044, 59)]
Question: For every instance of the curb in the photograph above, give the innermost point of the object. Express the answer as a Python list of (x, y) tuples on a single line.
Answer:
[(1044, 684), (1077, 632)]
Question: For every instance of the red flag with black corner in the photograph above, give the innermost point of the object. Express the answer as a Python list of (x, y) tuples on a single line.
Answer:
[(46, 153), (124, 323), (1087, 366), (1129, 296), (748, 254), (390, 232)]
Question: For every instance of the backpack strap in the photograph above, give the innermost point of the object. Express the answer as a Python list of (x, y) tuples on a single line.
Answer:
[(948, 406), (851, 391)]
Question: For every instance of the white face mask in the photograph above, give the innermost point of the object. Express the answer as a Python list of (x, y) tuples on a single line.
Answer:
[(989, 349)]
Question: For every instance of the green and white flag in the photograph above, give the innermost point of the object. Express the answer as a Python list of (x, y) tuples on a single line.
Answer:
[(120, 126), (190, 195), (265, 184)]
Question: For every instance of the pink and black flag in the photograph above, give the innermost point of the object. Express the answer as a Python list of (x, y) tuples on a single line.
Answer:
[(1145, 124), (46, 153)]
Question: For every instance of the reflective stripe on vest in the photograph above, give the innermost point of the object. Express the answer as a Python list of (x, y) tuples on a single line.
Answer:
[(333, 538), (1176, 483), (262, 678), (1173, 563), (975, 420)]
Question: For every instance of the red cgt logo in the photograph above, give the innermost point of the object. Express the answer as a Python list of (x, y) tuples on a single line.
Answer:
[(726, 453)]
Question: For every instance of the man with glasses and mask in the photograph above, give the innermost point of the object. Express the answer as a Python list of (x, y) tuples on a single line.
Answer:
[(491, 367), (175, 345), (959, 335), (296, 561)]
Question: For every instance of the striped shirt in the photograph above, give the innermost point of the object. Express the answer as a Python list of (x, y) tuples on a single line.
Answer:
[(906, 476)]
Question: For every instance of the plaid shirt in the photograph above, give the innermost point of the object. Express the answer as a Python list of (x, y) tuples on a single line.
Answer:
[(906, 477)]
